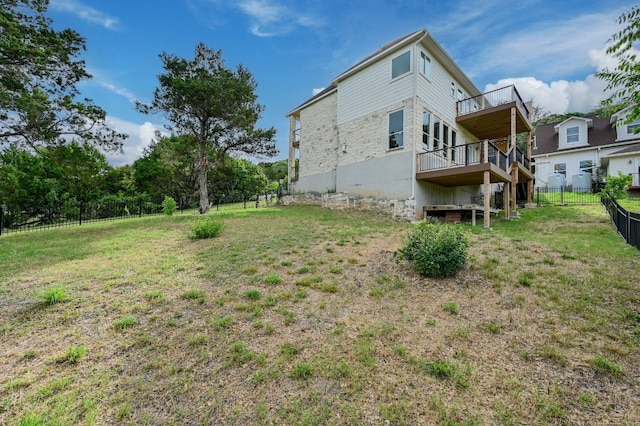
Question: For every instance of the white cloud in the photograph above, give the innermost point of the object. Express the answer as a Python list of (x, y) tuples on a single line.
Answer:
[(140, 136), (315, 91), (119, 91), (271, 18), (86, 13)]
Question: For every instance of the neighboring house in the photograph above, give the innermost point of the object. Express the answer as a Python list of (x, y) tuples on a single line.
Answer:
[(407, 125), (585, 149)]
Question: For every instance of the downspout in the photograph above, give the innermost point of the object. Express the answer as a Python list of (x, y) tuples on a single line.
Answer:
[(415, 116)]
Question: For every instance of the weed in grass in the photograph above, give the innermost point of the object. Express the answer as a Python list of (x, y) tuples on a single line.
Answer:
[(54, 294), (506, 414), (376, 292), (605, 365), (397, 413), (252, 294), (240, 354), (194, 294), (301, 293), (273, 279), (460, 376), (223, 321), (251, 270), (198, 340), (29, 354), (586, 399), (461, 332), (549, 261), (328, 249), (19, 382), (269, 329), (289, 316), (341, 370), (302, 371), (303, 270), (549, 407), (335, 270), (451, 307), (270, 301), (554, 354), (328, 287), (286, 263), (206, 228), (74, 354), (126, 322), (155, 296), (32, 420), (289, 350), (431, 322), (492, 328), (526, 278)]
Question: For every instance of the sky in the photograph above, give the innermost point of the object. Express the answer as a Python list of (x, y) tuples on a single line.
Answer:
[(550, 49)]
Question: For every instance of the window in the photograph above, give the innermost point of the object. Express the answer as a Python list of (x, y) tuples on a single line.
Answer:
[(453, 89), (401, 65), (396, 129), (436, 132), (425, 65), (560, 168), (573, 134), (460, 95), (426, 121), (586, 166), (631, 128), (453, 144)]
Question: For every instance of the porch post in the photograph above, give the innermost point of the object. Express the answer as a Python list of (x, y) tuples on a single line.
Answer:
[(514, 165), (292, 150), (487, 199), (530, 183)]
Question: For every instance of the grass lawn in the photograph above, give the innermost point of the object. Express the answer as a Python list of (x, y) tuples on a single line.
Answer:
[(300, 315)]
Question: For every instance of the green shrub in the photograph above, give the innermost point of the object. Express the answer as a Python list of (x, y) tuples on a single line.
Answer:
[(169, 206), (206, 228), (436, 250), (617, 186)]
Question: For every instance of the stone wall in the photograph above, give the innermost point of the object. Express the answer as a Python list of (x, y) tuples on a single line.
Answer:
[(397, 209)]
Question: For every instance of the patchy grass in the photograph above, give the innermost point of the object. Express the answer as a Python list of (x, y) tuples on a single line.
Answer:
[(319, 323)]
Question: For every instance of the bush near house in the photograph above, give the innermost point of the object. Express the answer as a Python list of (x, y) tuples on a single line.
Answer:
[(436, 250)]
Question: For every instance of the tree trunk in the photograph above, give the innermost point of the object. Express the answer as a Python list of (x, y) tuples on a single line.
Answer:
[(204, 191)]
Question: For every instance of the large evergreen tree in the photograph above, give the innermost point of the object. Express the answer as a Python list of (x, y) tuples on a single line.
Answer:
[(216, 106), (39, 70)]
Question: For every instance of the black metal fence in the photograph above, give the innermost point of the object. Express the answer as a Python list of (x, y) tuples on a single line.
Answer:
[(77, 213), (627, 223), (566, 195)]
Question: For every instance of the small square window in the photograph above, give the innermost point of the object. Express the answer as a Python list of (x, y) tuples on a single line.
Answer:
[(401, 65), (573, 134)]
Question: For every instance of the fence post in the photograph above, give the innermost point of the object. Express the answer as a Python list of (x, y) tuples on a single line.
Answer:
[(1, 220), (80, 213), (628, 239), (140, 207), (244, 198)]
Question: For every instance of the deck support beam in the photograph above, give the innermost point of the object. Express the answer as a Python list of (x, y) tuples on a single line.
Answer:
[(487, 199)]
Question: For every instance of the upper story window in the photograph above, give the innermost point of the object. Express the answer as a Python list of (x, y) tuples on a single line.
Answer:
[(631, 128), (425, 65), (453, 89), (437, 132), (573, 134), (426, 122), (396, 129), (401, 65)]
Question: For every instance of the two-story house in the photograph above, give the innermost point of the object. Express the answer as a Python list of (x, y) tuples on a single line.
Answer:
[(407, 124), (592, 146)]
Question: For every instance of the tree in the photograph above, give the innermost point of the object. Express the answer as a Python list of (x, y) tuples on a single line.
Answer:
[(625, 79), (213, 104), (39, 70)]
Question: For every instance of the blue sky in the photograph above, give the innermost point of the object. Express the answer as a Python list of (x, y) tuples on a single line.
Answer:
[(549, 48)]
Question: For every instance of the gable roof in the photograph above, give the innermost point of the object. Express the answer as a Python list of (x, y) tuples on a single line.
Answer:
[(589, 122), (629, 150), (417, 36), (602, 133)]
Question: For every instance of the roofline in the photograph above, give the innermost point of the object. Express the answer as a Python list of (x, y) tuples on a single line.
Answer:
[(321, 95), (588, 148), (588, 120)]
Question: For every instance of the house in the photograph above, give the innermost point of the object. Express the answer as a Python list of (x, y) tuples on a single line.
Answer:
[(581, 150), (406, 127)]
